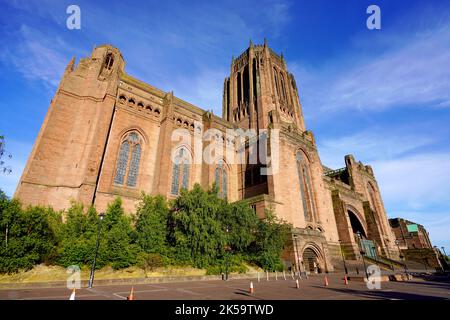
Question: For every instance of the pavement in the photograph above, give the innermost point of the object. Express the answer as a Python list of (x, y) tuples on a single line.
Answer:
[(312, 288)]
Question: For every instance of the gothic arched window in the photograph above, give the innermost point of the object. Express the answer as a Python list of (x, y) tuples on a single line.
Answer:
[(221, 179), (180, 171), (305, 186), (109, 61), (276, 81), (283, 87), (128, 161)]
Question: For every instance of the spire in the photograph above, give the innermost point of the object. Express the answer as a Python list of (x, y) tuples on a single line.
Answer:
[(71, 64), (251, 43), (265, 42)]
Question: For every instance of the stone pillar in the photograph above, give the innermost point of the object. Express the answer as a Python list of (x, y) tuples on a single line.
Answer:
[(164, 162)]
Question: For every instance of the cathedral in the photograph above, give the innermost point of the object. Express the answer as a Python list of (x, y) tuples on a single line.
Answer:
[(108, 134)]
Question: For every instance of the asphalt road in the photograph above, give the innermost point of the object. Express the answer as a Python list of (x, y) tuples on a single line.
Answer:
[(312, 288)]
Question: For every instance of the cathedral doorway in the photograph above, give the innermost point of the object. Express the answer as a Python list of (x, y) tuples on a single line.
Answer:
[(311, 261), (366, 245), (356, 224)]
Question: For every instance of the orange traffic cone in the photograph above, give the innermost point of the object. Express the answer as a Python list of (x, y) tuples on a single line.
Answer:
[(345, 280), (251, 287), (72, 295), (326, 281), (131, 296), (296, 284)]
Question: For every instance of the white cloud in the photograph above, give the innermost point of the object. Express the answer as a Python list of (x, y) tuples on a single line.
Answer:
[(414, 182), (370, 145), (203, 90), (413, 73), (37, 56), (417, 182)]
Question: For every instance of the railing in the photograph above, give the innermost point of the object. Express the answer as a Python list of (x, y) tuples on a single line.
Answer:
[(334, 172), (398, 263), (378, 262)]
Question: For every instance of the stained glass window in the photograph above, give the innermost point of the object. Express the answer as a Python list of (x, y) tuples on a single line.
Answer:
[(128, 165), (175, 178), (122, 163), (224, 184), (221, 179), (134, 166), (185, 174), (180, 172), (305, 186), (217, 177)]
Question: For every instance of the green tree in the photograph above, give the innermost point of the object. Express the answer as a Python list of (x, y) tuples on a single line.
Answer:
[(271, 236), (3, 154), (241, 222), (78, 237), (118, 246), (27, 236), (151, 224), (196, 232)]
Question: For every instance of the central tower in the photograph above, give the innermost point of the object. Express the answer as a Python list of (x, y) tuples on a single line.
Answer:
[(260, 91)]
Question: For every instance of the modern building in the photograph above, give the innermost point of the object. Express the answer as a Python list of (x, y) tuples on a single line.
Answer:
[(414, 244), (410, 235)]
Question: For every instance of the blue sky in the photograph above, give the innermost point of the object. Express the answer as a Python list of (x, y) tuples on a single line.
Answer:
[(382, 95)]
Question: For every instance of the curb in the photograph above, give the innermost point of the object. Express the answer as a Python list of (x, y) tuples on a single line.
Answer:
[(123, 281)]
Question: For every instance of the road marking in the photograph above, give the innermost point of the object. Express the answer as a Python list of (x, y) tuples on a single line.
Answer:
[(57, 297), (140, 291), (118, 295)]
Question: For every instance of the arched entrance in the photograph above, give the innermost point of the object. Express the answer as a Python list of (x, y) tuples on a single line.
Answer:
[(311, 261), (356, 224), (365, 245)]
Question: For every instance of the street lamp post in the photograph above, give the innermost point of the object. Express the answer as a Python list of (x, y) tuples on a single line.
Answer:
[(389, 257), (227, 250), (425, 264), (443, 250), (343, 257), (445, 258), (91, 277), (401, 257), (362, 255), (297, 260)]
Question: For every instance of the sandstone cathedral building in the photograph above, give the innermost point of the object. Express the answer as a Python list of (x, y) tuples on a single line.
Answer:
[(108, 134)]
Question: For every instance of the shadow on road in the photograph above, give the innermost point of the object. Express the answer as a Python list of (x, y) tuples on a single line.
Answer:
[(384, 294)]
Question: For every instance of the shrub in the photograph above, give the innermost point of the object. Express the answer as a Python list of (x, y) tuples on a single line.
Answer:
[(28, 236), (151, 224), (150, 261), (195, 228)]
